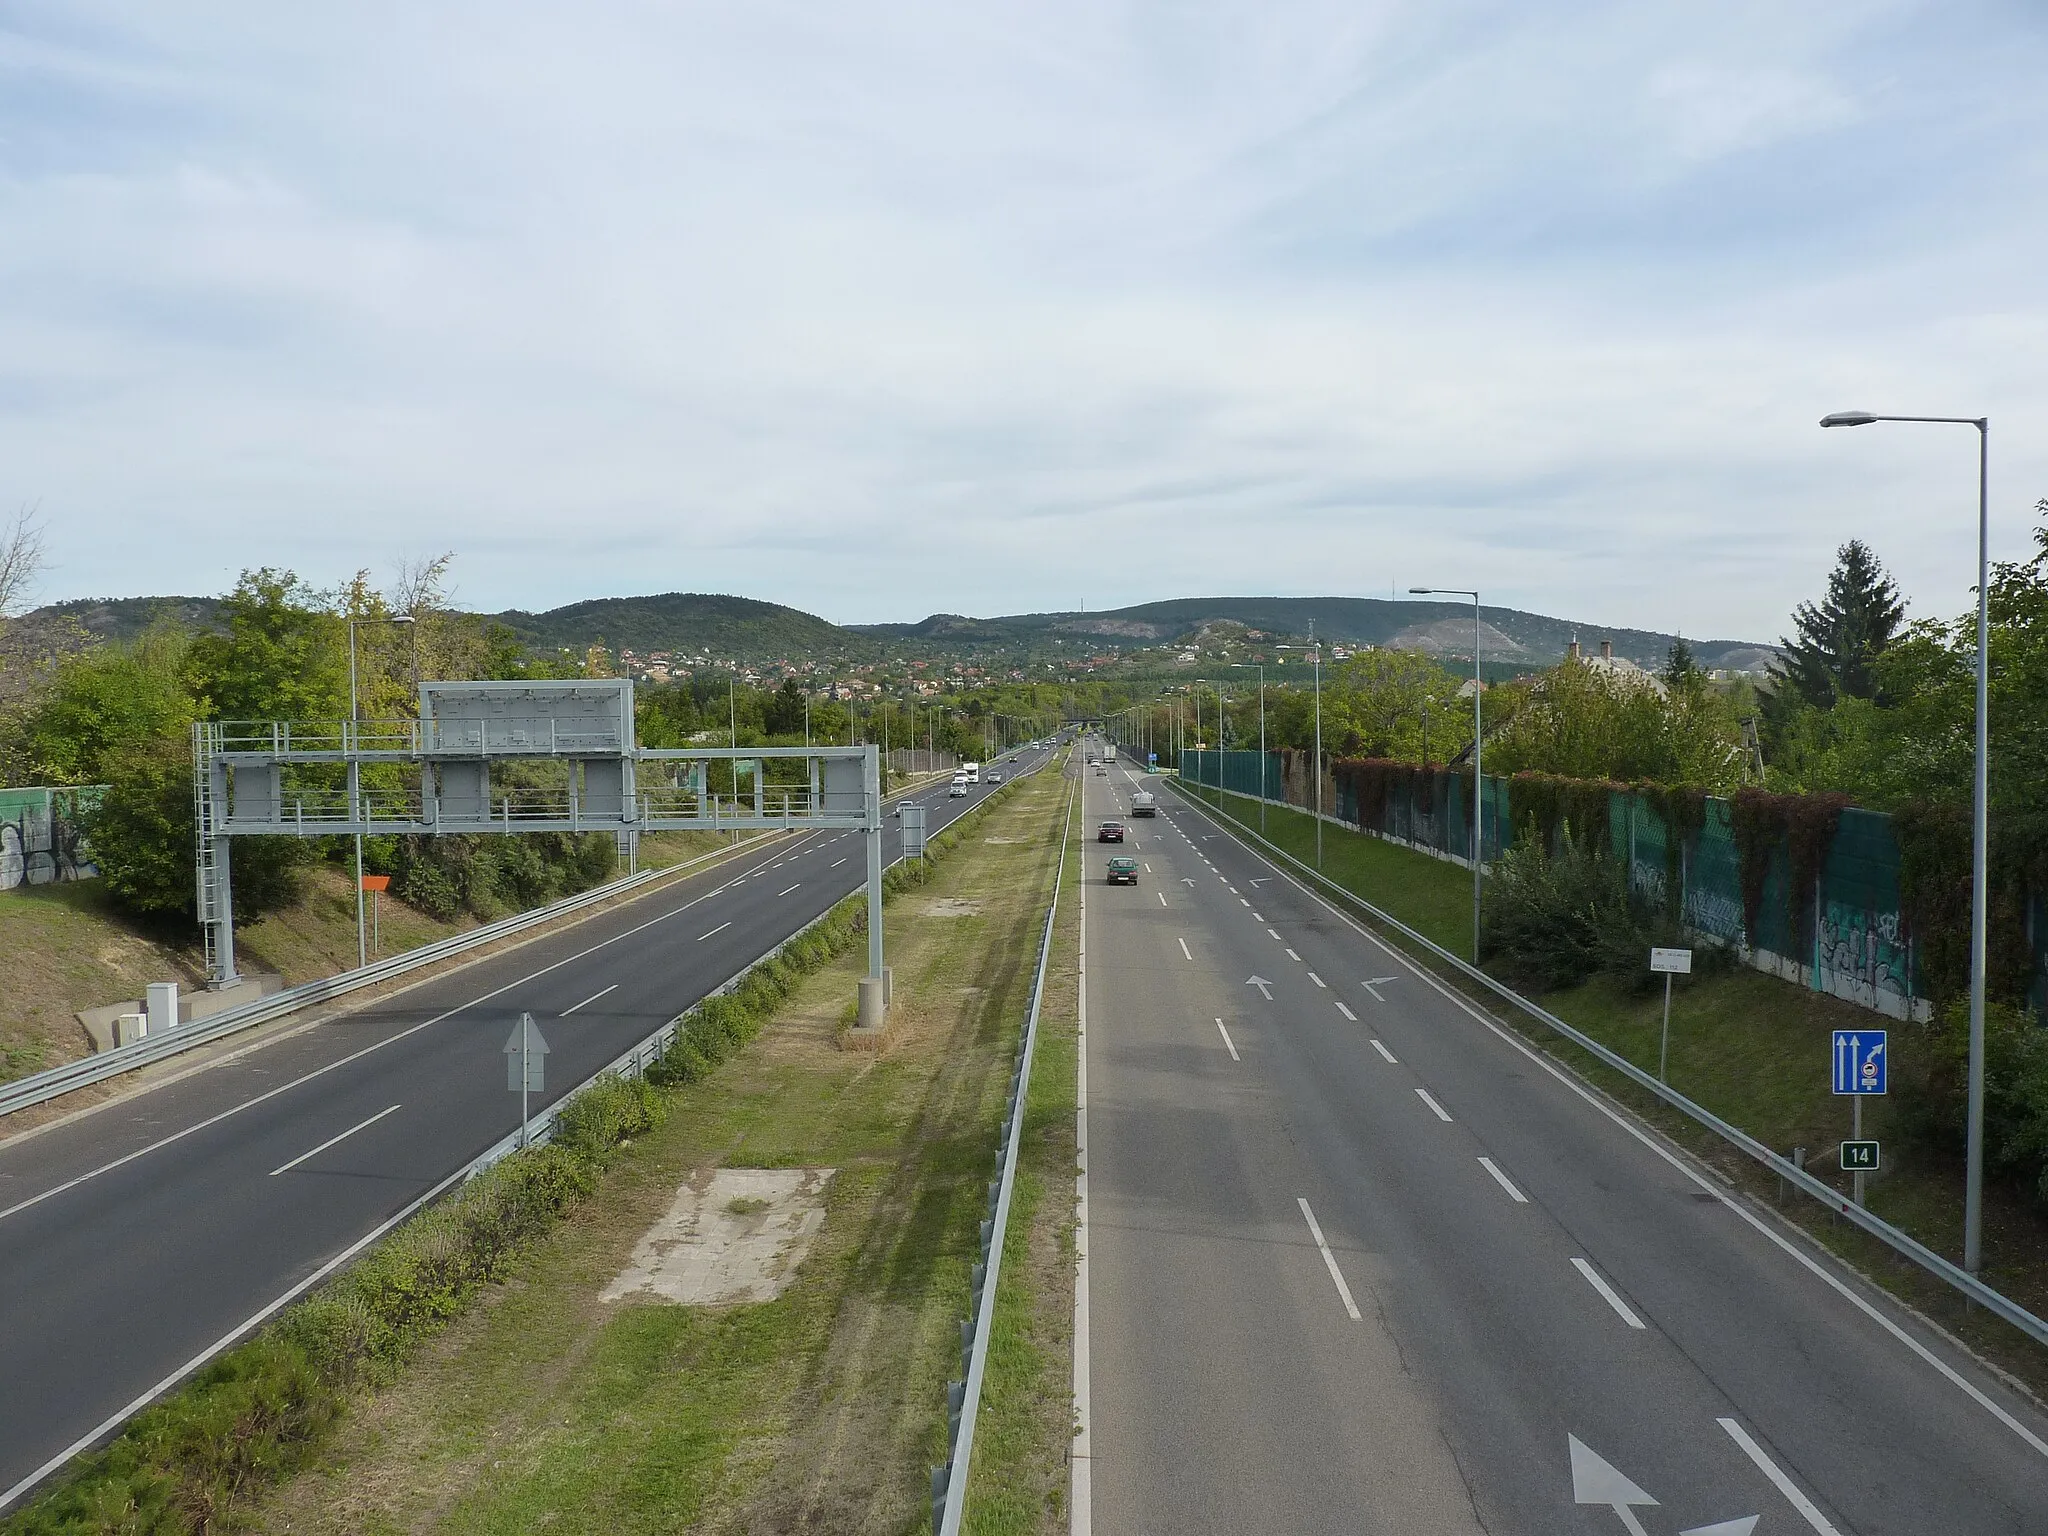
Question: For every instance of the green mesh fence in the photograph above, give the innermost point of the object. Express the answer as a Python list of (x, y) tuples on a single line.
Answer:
[(1847, 937)]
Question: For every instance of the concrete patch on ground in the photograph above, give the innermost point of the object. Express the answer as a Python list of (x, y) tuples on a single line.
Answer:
[(951, 906), (1006, 839), (733, 1236)]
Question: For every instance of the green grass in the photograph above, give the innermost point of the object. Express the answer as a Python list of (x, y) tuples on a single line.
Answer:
[(1431, 896), (1019, 1480), (821, 1409)]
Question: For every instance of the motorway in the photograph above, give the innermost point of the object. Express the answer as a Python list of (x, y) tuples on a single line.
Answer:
[(135, 1237), (1361, 1260)]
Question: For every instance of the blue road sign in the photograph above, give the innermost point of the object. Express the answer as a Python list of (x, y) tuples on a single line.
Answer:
[(1859, 1061), (1151, 757)]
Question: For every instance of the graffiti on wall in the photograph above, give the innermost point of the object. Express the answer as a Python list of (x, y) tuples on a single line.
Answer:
[(42, 844)]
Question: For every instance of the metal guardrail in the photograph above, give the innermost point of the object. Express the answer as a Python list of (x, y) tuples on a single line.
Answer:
[(1995, 1302), (963, 1398), (41, 1086)]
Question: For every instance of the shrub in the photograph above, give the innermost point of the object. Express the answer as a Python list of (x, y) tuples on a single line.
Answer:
[(1554, 919), (2015, 1090)]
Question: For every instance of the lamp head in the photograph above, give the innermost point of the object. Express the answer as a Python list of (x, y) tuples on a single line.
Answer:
[(1848, 419), (1422, 591)]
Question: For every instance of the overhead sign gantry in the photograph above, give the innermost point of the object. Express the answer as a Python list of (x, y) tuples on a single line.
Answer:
[(503, 757)]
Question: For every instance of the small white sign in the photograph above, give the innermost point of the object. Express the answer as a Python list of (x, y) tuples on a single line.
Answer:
[(1677, 962)]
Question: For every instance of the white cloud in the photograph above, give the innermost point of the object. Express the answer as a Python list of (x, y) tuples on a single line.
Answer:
[(880, 309)]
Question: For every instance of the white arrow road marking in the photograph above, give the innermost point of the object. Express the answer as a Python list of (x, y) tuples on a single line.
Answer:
[(1607, 1291), (1187, 879), (1784, 1484), (1330, 1259), (1503, 1181), (1384, 1052), (1185, 950), (1375, 984), (1347, 1013), (1227, 1042), (1437, 1109), (1596, 1481), (344, 1136), (1264, 986), (1740, 1527)]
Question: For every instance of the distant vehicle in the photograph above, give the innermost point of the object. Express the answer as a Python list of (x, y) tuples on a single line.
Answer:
[(960, 776), (973, 772), (1110, 832), (1123, 871), (1091, 759), (1143, 803), (995, 776), (1102, 773), (959, 788)]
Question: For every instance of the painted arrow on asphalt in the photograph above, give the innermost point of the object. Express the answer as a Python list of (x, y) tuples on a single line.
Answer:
[(1186, 880), (1596, 1481), (1375, 984), (1265, 987), (1740, 1527)]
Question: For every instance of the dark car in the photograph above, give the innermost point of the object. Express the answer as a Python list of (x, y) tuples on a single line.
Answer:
[(1123, 871), (1110, 832)]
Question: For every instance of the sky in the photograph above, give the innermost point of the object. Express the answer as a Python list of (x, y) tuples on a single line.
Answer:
[(880, 310)]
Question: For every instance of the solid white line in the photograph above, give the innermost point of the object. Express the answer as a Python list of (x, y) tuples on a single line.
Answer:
[(1330, 1259), (1778, 1239), (1503, 1181), (719, 929), (588, 1000), (1347, 1013), (1185, 950), (376, 1045), (1080, 1498), (1593, 1279), (1785, 1485), (1384, 1052), (1312, 976), (797, 887), (332, 1140), (1440, 1112), (1227, 1042)]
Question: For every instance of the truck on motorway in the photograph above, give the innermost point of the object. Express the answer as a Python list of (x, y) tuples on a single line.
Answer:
[(973, 772), (1144, 803)]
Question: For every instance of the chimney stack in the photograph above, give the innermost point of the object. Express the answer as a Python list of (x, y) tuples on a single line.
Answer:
[(1572, 650), (1607, 650)]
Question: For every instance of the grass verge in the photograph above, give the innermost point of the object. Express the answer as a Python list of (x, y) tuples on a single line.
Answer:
[(1754, 1050), (1018, 1480), (207, 1456)]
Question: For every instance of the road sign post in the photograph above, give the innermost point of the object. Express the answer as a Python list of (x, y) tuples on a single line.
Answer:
[(1670, 963), (526, 1066), (1860, 1071)]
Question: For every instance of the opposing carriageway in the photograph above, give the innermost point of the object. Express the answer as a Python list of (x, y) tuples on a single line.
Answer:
[(1363, 1260), (137, 1237)]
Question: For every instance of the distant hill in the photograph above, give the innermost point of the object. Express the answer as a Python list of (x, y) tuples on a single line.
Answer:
[(688, 622), (1420, 624)]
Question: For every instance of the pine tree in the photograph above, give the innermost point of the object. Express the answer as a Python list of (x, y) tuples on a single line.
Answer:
[(1840, 638)]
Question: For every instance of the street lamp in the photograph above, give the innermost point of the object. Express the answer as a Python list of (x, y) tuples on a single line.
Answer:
[(1315, 655), (355, 770), (1478, 779), (1252, 666), (1980, 821)]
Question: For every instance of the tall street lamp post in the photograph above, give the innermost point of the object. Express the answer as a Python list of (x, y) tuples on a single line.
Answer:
[(1478, 777), (355, 771), (1252, 666), (1980, 820)]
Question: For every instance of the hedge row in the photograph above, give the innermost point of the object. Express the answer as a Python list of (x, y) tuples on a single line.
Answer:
[(192, 1462)]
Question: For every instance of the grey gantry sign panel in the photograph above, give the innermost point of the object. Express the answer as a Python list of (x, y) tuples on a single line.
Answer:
[(529, 756)]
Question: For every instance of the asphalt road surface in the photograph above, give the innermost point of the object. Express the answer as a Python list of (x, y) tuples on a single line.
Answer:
[(134, 1238), (1362, 1261)]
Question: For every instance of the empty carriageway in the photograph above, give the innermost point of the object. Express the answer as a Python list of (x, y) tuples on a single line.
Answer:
[(1361, 1260)]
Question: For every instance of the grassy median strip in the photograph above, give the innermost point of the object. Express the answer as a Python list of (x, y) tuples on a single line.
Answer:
[(1753, 1049), (1018, 1480), (310, 1402)]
